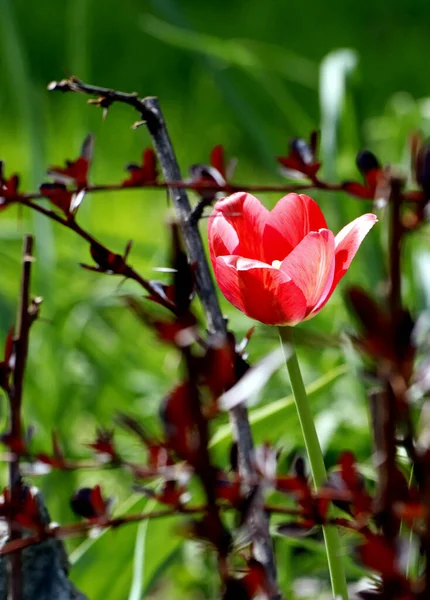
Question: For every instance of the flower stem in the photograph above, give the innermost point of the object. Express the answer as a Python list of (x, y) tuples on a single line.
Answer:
[(313, 448)]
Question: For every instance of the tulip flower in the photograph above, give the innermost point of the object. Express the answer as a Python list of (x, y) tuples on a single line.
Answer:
[(280, 267)]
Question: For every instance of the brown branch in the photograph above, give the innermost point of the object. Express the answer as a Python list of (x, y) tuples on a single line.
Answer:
[(128, 271), (15, 404), (150, 112), (228, 188), (82, 527), (77, 529)]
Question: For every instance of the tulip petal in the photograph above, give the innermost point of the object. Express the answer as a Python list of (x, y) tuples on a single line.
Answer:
[(223, 239), (236, 226), (311, 266), (347, 242), (260, 291), (293, 217)]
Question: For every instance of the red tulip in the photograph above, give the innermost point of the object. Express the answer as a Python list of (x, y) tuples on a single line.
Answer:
[(280, 267)]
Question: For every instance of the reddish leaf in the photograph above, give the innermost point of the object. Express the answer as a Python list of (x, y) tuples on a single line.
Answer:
[(158, 456), (410, 511), (104, 445), (89, 503), (313, 507), (217, 160), (107, 262), (213, 176), (8, 188), (58, 194), (353, 482), (179, 423), (181, 332), (171, 494), (255, 579), (24, 511), (146, 173), (16, 444), (302, 157), (5, 364), (372, 172), (377, 555), (229, 491), (164, 293), (218, 368), (75, 172), (357, 189)]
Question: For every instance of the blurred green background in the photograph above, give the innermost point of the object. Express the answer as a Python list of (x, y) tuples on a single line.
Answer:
[(249, 75)]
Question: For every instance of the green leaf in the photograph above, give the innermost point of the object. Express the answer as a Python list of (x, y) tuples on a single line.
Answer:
[(274, 416), (113, 550), (235, 52)]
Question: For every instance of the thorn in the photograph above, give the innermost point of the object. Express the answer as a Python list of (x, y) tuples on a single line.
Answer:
[(138, 124)]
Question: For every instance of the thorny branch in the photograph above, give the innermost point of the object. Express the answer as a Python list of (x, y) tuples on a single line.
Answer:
[(151, 114), (20, 349)]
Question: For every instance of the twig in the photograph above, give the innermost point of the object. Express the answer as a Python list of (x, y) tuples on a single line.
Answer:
[(396, 231), (150, 112), (229, 188), (128, 272), (15, 403), (78, 529)]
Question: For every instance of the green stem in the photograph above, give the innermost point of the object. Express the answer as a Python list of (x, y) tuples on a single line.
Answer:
[(313, 448)]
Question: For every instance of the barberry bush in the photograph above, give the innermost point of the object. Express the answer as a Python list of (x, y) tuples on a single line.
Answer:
[(246, 497)]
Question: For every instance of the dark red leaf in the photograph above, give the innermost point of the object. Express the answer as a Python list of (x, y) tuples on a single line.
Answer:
[(357, 189), (76, 171), (58, 194), (146, 173), (104, 444), (217, 160), (16, 444), (255, 579), (179, 423), (108, 262), (367, 162), (8, 188), (302, 157), (89, 503), (218, 368), (5, 364), (213, 176), (158, 456), (377, 555), (229, 490), (24, 510), (171, 493)]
